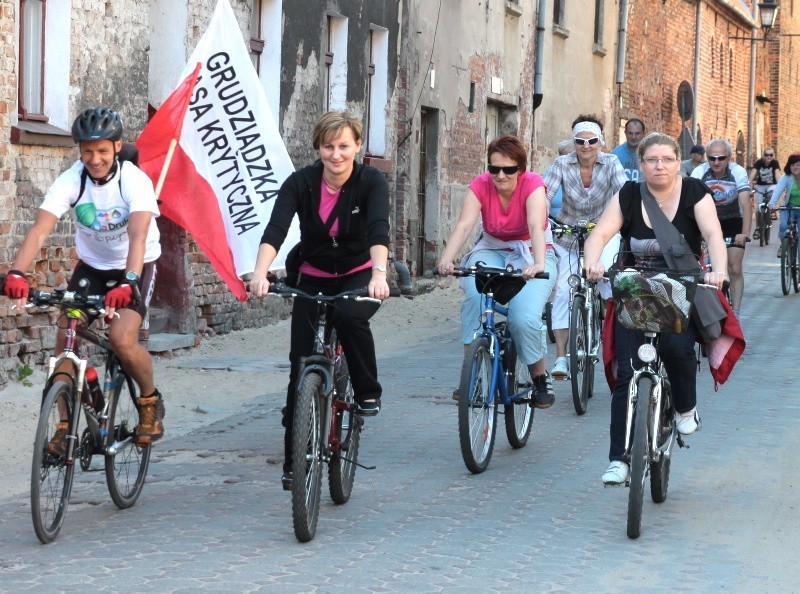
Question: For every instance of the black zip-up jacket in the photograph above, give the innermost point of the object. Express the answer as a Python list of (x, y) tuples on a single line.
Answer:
[(362, 210)]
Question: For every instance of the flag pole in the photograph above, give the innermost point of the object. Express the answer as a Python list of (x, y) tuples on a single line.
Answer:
[(174, 142)]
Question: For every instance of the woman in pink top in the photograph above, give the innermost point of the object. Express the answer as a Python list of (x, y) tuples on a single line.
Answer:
[(511, 206)]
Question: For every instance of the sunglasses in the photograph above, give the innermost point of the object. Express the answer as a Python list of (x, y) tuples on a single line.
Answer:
[(510, 170), (769, 154), (717, 157), (585, 141)]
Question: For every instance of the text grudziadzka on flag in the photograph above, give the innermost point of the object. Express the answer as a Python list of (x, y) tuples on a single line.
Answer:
[(222, 157)]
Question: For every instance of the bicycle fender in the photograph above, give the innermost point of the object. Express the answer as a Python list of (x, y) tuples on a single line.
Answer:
[(318, 364)]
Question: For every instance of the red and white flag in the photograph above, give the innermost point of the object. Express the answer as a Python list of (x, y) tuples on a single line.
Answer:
[(215, 154)]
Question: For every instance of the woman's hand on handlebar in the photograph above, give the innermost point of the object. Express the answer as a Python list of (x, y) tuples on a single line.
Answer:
[(531, 271), (258, 285), (595, 272), (718, 279), (378, 287), (445, 267)]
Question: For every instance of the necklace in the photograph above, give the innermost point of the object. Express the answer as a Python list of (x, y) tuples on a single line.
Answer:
[(669, 195)]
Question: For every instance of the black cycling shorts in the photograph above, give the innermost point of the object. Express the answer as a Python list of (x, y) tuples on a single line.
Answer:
[(98, 280), (731, 227)]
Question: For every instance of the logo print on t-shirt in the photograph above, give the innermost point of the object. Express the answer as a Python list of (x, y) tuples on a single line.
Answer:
[(86, 214), (109, 220)]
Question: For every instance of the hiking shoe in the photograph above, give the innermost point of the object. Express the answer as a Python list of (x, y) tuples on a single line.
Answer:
[(780, 253), (541, 397), (560, 370), (58, 444), (688, 422), (616, 473), (457, 394), (287, 480), (151, 413)]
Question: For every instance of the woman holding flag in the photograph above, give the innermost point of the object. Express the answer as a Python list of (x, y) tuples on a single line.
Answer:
[(343, 210)]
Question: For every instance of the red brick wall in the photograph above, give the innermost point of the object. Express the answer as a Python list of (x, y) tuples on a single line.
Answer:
[(785, 81)]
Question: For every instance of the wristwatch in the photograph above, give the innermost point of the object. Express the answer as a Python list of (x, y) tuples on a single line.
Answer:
[(379, 268), (131, 278)]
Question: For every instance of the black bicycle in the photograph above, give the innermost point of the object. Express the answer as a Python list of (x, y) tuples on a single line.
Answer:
[(111, 413), (763, 217), (789, 252), (326, 428)]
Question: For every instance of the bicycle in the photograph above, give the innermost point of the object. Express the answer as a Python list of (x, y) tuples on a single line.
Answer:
[(111, 415), (326, 428), (789, 252), (763, 217), (492, 375), (650, 432), (585, 313)]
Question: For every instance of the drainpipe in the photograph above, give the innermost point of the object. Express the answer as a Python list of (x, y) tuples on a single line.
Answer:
[(537, 67), (751, 92), (696, 75), (622, 36)]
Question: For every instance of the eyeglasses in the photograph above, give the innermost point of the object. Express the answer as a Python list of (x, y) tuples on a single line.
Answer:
[(713, 158), (585, 141), (496, 169), (769, 154), (653, 161)]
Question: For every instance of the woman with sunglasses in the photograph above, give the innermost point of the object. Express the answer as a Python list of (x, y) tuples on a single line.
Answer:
[(510, 204), (588, 179)]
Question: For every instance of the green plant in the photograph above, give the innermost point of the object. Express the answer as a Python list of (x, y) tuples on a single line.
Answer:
[(23, 373)]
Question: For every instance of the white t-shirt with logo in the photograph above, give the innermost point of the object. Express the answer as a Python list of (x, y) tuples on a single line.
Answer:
[(101, 215)]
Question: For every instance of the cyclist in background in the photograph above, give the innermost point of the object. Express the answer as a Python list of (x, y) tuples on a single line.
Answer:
[(730, 188), (588, 178), (764, 174), (116, 239), (787, 192)]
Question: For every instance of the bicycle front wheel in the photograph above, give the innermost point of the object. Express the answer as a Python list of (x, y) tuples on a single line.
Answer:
[(795, 272), (51, 476), (761, 220), (477, 407), (518, 414), (347, 431), (786, 265), (639, 456), (579, 354), (126, 469), (307, 456)]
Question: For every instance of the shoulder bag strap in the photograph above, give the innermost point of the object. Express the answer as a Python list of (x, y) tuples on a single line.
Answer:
[(676, 251)]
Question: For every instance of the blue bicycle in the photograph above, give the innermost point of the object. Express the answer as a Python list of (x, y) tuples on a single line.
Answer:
[(492, 375)]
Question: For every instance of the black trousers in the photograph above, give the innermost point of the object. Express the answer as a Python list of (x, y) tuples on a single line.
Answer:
[(351, 320), (680, 360)]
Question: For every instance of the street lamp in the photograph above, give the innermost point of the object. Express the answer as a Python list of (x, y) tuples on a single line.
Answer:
[(768, 11)]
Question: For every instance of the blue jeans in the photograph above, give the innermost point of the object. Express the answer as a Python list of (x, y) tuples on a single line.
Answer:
[(524, 310), (785, 220), (677, 352)]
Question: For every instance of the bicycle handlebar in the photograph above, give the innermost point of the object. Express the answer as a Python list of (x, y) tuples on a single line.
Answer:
[(64, 299), (505, 272), (699, 276), (361, 294)]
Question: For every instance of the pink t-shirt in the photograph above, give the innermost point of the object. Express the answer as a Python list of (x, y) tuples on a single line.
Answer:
[(327, 203), (509, 223)]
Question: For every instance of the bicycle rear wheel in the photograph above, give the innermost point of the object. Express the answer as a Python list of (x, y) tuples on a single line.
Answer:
[(347, 431), (579, 367), (761, 223), (518, 414), (786, 266), (51, 476), (127, 468), (307, 456), (477, 408), (639, 456)]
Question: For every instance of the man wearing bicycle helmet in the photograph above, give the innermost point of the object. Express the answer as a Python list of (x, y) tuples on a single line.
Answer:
[(117, 243)]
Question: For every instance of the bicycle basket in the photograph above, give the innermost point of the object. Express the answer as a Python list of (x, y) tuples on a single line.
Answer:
[(503, 288), (649, 301)]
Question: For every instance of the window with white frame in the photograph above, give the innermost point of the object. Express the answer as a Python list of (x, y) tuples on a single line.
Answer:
[(377, 90), (336, 63), (44, 50), (265, 49)]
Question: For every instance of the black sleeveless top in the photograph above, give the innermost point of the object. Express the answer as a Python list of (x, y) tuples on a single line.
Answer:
[(640, 237)]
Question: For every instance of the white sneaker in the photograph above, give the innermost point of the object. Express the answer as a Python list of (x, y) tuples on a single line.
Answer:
[(616, 473), (560, 370), (688, 422)]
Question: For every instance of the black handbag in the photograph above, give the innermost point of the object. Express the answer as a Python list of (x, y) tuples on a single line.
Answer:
[(707, 312)]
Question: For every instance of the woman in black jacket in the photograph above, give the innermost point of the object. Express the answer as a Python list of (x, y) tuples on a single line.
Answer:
[(343, 209)]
